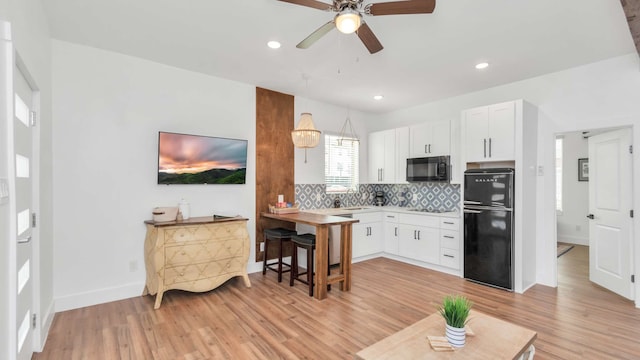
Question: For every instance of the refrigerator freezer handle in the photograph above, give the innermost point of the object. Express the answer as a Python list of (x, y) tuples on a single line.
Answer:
[(470, 202), (468, 211)]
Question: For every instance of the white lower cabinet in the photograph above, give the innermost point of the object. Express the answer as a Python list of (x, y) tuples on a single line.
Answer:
[(450, 242), (391, 233), (419, 243), (431, 239), (367, 238)]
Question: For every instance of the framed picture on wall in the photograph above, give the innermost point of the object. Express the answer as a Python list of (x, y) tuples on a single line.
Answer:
[(583, 169)]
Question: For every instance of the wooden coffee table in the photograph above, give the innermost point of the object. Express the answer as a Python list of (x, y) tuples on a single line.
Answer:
[(493, 339)]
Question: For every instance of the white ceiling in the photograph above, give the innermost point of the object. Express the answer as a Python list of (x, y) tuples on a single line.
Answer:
[(426, 57)]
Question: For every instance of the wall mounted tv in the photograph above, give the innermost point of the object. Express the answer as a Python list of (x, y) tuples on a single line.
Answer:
[(196, 159)]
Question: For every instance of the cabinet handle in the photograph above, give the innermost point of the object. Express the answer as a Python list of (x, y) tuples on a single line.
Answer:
[(414, 234), (489, 147), (396, 231), (418, 234), (429, 148), (391, 216), (449, 256), (448, 223), (425, 149), (448, 237), (485, 147)]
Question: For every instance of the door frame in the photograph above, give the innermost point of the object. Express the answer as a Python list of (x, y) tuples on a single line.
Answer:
[(634, 243)]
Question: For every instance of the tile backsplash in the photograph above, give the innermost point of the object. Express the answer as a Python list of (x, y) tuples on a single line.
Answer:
[(431, 195)]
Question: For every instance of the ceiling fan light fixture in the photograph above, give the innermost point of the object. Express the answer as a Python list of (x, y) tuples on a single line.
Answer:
[(348, 21)]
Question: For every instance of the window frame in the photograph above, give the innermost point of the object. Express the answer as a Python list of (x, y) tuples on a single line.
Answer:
[(330, 178)]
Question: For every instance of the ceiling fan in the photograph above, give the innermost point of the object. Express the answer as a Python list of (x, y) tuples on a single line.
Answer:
[(349, 17)]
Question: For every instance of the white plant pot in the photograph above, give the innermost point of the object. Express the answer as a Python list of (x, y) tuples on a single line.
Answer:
[(455, 336)]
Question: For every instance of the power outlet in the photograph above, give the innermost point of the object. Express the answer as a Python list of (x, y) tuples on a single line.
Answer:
[(262, 246), (415, 197), (318, 197)]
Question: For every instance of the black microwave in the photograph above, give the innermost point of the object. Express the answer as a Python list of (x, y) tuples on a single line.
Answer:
[(434, 168)]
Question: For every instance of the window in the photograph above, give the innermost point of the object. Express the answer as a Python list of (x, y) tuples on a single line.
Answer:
[(341, 164), (559, 149)]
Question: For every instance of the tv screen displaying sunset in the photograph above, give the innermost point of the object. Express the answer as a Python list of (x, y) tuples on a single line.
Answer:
[(194, 159)]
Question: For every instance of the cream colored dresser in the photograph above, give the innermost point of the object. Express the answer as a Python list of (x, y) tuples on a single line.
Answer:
[(198, 254)]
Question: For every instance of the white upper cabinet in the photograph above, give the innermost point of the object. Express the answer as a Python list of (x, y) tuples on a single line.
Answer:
[(490, 132), (388, 153), (382, 160), (430, 139)]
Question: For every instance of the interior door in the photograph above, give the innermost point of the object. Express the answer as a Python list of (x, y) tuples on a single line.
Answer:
[(610, 225), (22, 148)]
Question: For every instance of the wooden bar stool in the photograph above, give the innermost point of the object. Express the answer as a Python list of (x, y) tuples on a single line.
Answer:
[(281, 236), (307, 242)]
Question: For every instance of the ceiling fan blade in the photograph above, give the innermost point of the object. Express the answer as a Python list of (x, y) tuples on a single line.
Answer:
[(369, 39), (316, 35), (402, 7), (311, 3)]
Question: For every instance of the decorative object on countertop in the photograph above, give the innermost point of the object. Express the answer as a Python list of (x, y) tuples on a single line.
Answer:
[(163, 214), (185, 210), (284, 210), (455, 311)]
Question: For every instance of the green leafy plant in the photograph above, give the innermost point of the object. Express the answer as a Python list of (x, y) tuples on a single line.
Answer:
[(455, 310)]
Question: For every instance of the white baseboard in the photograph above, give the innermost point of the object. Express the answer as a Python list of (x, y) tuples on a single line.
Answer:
[(101, 296)]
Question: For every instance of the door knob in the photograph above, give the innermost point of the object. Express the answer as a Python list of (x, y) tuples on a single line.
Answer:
[(590, 216)]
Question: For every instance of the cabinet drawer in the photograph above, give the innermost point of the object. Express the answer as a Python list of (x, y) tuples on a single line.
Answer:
[(198, 252), (450, 258), (420, 220), (194, 272), (450, 223), (450, 239), (368, 217)]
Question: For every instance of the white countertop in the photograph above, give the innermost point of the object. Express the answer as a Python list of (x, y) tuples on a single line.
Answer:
[(370, 209)]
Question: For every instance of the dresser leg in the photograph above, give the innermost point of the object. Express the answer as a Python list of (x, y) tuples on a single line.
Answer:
[(158, 300), (247, 283)]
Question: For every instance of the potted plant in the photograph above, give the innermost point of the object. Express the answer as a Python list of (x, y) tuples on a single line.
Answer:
[(455, 311)]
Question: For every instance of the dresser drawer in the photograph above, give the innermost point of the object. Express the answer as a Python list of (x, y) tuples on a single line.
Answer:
[(450, 258), (450, 239), (450, 224), (198, 252), (195, 272)]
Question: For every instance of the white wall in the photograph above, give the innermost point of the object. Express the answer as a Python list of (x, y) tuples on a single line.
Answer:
[(598, 95), (30, 37), (329, 119), (108, 109), (573, 225)]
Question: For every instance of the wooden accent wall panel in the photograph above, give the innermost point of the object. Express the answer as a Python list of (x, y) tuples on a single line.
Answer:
[(274, 159)]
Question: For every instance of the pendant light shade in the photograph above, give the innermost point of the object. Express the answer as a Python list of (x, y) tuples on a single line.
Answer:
[(305, 135)]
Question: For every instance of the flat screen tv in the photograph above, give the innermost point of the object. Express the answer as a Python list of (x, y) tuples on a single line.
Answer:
[(196, 159)]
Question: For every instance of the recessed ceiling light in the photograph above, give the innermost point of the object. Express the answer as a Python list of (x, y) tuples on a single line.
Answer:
[(482, 65), (378, 97), (273, 44)]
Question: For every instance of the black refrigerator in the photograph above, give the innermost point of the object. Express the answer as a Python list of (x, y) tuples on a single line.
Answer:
[(488, 226)]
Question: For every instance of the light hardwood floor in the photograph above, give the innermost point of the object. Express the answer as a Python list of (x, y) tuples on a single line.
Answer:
[(271, 320)]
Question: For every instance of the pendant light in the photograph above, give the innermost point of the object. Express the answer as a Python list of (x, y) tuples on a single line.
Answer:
[(305, 135), (347, 132)]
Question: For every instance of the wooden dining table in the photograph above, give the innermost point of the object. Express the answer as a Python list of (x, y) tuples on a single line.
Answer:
[(322, 223)]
